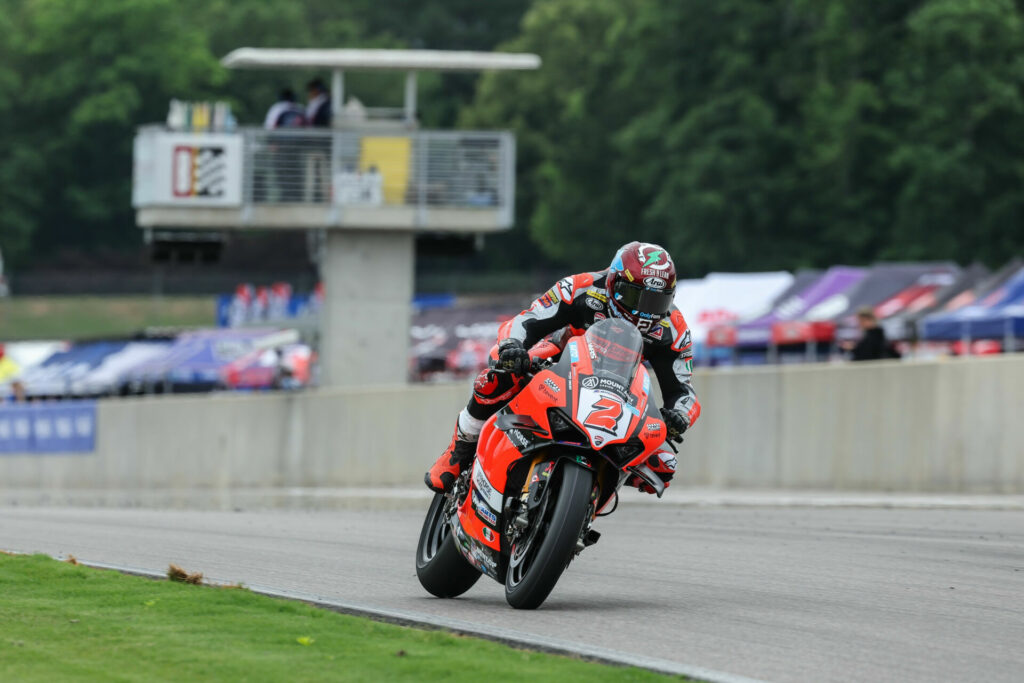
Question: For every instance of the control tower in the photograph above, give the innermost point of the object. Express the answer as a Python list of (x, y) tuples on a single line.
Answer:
[(371, 182)]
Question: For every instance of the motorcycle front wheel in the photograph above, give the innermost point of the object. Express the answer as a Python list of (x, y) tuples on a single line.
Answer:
[(440, 566), (540, 556)]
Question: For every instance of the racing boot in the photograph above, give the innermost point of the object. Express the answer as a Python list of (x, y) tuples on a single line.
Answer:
[(453, 462)]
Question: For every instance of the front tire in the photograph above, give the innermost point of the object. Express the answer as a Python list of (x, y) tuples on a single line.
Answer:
[(534, 571), (440, 566)]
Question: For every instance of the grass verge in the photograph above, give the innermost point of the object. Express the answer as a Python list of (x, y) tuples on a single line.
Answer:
[(70, 317), (64, 622)]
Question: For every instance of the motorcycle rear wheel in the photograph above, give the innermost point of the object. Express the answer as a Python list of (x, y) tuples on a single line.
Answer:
[(440, 566), (529, 582)]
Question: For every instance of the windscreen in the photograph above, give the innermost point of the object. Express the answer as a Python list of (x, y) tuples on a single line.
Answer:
[(617, 346)]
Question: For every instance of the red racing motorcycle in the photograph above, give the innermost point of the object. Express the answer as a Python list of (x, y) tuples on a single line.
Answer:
[(547, 465)]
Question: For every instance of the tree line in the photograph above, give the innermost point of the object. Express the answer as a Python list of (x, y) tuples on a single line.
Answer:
[(741, 134)]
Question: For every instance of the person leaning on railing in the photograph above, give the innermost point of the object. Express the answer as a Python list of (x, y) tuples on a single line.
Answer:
[(279, 157), (316, 165)]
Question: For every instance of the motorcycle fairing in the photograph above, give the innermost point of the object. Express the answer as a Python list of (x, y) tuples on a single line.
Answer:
[(484, 559), (523, 427)]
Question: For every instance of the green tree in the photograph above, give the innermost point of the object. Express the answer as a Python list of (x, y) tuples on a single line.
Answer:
[(957, 89), (745, 134), (19, 200), (571, 192), (87, 73)]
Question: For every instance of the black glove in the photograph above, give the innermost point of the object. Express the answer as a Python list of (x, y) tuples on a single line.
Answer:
[(513, 357), (675, 422)]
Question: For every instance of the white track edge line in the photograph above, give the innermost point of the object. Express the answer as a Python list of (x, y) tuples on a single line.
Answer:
[(493, 633)]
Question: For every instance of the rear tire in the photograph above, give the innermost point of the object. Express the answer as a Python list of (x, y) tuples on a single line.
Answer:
[(440, 566), (564, 524)]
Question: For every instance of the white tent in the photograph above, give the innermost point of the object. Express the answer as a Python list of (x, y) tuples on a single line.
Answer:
[(722, 298)]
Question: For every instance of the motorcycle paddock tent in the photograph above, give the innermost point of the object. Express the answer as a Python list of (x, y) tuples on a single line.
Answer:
[(723, 298), (998, 315)]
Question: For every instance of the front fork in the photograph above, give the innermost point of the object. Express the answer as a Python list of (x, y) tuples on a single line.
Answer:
[(535, 488)]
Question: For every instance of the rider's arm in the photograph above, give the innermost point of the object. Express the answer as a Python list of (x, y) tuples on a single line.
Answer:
[(550, 312), (673, 366)]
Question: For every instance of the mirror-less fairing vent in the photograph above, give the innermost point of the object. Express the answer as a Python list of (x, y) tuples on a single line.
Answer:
[(627, 451), (563, 429)]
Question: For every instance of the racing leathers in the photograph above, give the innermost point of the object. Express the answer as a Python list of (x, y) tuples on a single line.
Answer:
[(566, 310)]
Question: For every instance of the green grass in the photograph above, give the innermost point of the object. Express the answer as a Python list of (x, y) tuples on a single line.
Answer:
[(60, 622), (71, 317)]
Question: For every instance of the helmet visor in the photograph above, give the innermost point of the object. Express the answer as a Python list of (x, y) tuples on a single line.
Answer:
[(639, 299)]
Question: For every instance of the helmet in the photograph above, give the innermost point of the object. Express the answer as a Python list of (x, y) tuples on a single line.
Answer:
[(641, 284)]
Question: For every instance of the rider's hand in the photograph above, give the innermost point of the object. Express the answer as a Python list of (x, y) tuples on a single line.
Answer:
[(675, 422), (513, 356)]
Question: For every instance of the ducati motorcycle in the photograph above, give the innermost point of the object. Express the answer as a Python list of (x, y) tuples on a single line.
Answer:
[(547, 465)]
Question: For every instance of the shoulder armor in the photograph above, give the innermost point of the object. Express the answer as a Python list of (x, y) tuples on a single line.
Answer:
[(681, 341)]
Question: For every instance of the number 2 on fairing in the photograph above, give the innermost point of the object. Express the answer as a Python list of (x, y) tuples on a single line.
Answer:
[(605, 416)]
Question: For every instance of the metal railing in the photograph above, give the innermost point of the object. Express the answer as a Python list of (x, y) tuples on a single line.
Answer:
[(338, 168)]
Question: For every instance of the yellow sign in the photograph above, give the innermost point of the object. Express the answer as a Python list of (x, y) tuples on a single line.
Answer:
[(390, 158)]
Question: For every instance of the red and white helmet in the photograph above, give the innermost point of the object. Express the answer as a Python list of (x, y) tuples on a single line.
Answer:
[(641, 283)]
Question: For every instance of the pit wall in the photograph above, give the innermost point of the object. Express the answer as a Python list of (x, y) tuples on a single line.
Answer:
[(953, 426)]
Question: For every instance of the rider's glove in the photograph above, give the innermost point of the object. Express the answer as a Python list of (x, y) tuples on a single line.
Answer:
[(675, 422), (513, 357)]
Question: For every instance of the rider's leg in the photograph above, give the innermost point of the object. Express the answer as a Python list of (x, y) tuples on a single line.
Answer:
[(491, 391)]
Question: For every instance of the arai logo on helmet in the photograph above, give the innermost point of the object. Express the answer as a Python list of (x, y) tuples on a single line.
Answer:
[(652, 258), (655, 282)]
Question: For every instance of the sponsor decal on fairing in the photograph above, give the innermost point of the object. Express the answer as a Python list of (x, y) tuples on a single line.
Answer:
[(483, 511), (484, 487), (518, 438), (600, 412)]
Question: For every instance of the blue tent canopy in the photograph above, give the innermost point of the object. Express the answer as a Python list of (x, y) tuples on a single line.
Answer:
[(997, 315)]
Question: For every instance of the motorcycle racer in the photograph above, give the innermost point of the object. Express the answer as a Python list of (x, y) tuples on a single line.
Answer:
[(638, 286)]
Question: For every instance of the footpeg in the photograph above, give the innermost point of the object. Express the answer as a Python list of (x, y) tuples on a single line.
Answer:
[(590, 538)]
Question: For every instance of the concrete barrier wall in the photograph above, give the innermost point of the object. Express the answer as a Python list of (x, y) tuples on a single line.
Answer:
[(955, 426)]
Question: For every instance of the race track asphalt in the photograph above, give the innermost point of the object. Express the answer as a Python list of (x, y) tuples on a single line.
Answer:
[(771, 593)]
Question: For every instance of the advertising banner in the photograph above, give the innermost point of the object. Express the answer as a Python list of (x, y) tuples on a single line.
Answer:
[(189, 169), (59, 427)]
